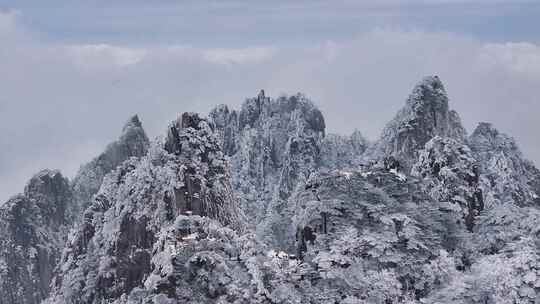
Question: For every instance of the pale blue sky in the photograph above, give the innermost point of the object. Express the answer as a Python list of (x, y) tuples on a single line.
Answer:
[(74, 71)]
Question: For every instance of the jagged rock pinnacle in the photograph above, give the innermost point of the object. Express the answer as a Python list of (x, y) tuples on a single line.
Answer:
[(33, 229), (426, 114), (42, 180), (509, 175), (132, 142), (133, 122), (190, 120), (487, 138)]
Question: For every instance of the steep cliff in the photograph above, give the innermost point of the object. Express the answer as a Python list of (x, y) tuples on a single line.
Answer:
[(35, 225), (33, 228), (426, 114), (506, 174), (272, 144), (132, 142), (110, 253)]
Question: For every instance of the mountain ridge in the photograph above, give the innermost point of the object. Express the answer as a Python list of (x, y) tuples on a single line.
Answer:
[(262, 205)]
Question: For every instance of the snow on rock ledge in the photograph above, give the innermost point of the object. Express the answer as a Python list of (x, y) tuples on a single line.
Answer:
[(111, 251)]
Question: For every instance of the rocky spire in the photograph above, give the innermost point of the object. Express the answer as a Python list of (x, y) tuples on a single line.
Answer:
[(274, 144), (225, 122), (132, 142), (426, 114), (508, 175), (206, 187), (52, 194), (136, 204), (264, 139), (34, 225), (133, 122), (33, 228), (487, 139), (261, 95)]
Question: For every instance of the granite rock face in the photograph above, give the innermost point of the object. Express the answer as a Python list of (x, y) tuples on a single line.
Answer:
[(111, 252), (35, 224), (451, 174), (132, 142), (272, 144), (426, 114), (33, 228), (206, 189), (343, 152), (507, 175), (226, 124)]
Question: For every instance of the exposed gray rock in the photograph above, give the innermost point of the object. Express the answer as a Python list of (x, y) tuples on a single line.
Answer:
[(206, 188), (507, 175), (426, 114), (455, 127), (226, 124), (343, 152), (33, 228), (451, 174), (195, 260), (111, 251), (272, 144), (133, 142)]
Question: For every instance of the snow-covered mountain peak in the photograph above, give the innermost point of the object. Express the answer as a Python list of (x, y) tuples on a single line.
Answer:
[(133, 139), (133, 122), (132, 142), (33, 227), (272, 142), (178, 130), (45, 180), (426, 114), (429, 91), (508, 175), (255, 110), (50, 189), (487, 138)]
